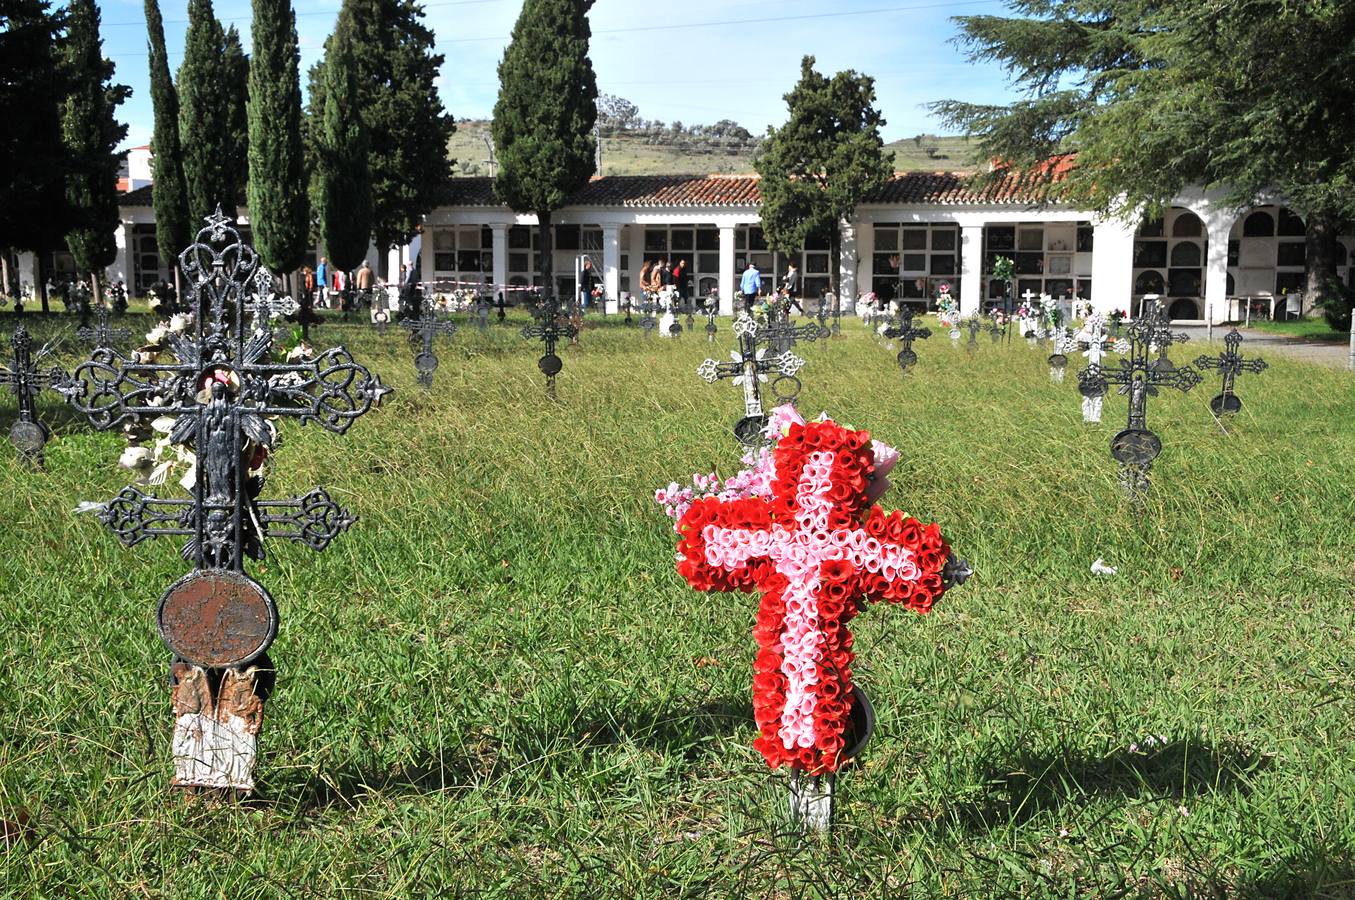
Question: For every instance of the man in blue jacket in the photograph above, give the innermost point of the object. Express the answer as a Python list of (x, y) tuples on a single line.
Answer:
[(750, 284)]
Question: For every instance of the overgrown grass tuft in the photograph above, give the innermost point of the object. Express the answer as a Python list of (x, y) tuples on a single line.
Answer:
[(495, 682)]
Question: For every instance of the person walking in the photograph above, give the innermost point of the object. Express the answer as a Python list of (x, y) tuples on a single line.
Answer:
[(681, 279), (588, 280), (322, 281), (750, 285), (790, 284), (364, 278)]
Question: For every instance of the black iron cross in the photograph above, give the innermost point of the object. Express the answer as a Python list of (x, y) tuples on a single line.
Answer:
[(1164, 338), (102, 334), (381, 308), (28, 434), (549, 329), (781, 335), (482, 311), (223, 392), (1229, 364), (905, 331), (421, 333), (995, 330), (1136, 447), (647, 319), (712, 310), (749, 367), (974, 323)]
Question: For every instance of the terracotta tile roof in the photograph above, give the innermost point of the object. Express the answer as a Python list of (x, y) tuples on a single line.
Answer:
[(910, 188), (139, 197)]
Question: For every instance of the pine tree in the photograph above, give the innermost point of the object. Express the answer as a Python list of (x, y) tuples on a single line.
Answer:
[(819, 165), (344, 180), (204, 117), (279, 211), (168, 195), (33, 160), (91, 134), (407, 127), (544, 117), (1245, 98), (235, 84)]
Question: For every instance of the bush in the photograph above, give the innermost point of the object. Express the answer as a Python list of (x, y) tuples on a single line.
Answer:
[(1336, 304)]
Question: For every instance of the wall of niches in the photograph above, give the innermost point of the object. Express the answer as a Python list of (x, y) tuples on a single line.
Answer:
[(1052, 258), (912, 261)]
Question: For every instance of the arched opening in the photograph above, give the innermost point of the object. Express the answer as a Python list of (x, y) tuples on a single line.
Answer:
[(1149, 283), (1181, 308), (1267, 255), (1169, 256), (1258, 224), (1186, 253)]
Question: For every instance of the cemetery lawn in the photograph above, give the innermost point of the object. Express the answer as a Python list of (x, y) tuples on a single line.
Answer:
[(497, 683), (1305, 329)]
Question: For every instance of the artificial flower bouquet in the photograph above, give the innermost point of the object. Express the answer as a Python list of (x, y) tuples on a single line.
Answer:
[(800, 526)]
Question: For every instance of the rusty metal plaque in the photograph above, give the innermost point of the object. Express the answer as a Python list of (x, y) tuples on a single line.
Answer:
[(217, 618), (28, 437)]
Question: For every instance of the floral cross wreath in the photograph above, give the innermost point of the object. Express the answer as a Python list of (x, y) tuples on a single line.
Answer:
[(801, 527)]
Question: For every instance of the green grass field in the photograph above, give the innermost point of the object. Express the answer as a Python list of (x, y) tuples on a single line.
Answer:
[(496, 683), (1305, 329), (629, 156)]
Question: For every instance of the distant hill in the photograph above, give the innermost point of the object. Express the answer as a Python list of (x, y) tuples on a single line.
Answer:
[(632, 156)]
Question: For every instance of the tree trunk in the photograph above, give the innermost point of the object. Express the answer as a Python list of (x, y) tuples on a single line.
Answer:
[(546, 245), (835, 260), (4, 273), (95, 298), (42, 284), (1322, 256)]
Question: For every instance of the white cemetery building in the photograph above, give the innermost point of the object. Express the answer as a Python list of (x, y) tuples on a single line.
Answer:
[(922, 230)]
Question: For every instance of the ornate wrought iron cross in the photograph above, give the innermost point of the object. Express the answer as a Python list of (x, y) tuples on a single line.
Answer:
[(421, 333), (102, 333), (28, 433), (1064, 343), (1094, 343), (381, 307), (482, 311), (549, 329), (974, 324), (1136, 447), (1229, 364), (781, 336), (712, 310), (995, 331), (648, 320), (224, 394), (1164, 338), (749, 367), (906, 332)]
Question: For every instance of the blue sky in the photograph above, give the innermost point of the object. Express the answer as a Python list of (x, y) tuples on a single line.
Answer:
[(690, 61)]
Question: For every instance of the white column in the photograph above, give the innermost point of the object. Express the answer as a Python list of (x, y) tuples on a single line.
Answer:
[(865, 265), (847, 265), (1112, 266), (611, 266), (28, 272), (637, 259), (120, 270), (728, 280), (1218, 225), (499, 250), (971, 269)]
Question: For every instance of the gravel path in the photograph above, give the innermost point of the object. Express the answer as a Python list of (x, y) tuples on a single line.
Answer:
[(1262, 342)]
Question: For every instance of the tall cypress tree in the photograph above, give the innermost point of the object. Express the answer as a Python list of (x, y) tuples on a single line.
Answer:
[(825, 159), (345, 187), (543, 120), (204, 117), (279, 211), (92, 135), (32, 154), (169, 197), (235, 84), (407, 127)]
